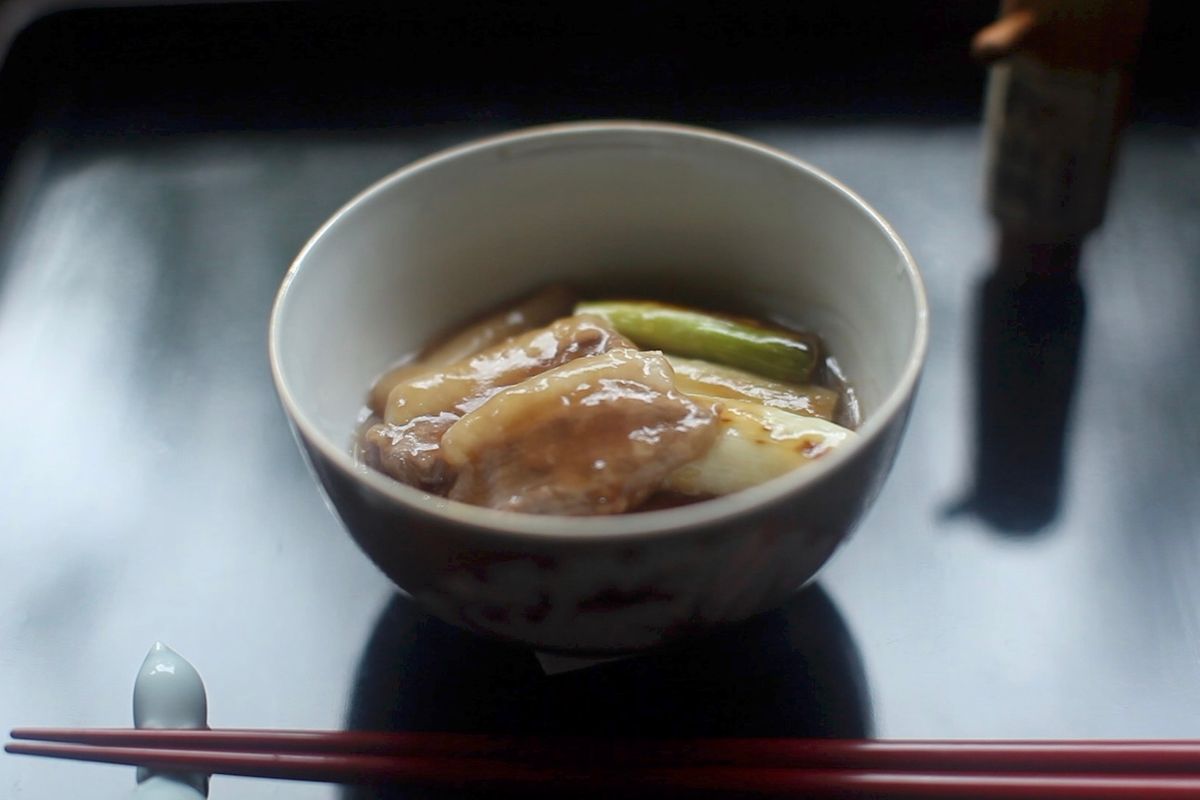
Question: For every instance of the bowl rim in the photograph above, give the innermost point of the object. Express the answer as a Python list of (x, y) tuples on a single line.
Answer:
[(544, 527)]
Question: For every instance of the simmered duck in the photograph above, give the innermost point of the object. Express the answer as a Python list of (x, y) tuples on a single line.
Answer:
[(424, 403), (606, 407), (597, 435)]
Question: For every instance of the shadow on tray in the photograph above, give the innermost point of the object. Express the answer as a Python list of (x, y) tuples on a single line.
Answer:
[(794, 671), (1028, 347)]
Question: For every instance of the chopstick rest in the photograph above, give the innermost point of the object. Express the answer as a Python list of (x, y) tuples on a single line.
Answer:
[(169, 693)]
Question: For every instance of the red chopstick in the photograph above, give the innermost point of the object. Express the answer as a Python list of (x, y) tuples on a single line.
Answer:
[(1131, 756), (1003, 770), (462, 773)]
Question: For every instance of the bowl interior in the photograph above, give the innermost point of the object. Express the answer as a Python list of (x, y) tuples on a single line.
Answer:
[(626, 209)]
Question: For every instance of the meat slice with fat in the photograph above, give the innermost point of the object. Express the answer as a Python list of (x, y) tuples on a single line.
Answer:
[(597, 435), (420, 408)]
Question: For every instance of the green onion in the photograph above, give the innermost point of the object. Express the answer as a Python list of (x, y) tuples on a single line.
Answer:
[(771, 352), (755, 444)]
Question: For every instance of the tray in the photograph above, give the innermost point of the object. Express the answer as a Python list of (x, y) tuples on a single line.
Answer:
[(1031, 569)]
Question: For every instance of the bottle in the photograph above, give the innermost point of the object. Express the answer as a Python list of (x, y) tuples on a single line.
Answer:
[(1057, 98)]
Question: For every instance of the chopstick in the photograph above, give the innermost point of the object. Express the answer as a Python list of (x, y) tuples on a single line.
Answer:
[(465, 773), (1003, 770), (1181, 756)]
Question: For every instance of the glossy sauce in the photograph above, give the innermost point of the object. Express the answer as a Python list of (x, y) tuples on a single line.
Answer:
[(572, 418)]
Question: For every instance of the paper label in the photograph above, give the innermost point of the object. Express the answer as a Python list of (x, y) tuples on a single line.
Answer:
[(1051, 136)]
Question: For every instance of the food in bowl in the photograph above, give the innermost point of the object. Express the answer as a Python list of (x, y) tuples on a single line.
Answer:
[(557, 406), (614, 209)]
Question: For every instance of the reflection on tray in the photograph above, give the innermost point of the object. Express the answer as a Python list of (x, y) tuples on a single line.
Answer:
[(791, 672)]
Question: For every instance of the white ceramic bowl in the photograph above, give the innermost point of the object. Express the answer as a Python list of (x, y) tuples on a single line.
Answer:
[(639, 208)]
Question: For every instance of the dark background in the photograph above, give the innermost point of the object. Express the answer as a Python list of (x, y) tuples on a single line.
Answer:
[(287, 65), (1032, 567)]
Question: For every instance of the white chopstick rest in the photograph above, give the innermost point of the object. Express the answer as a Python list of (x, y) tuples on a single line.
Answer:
[(169, 693)]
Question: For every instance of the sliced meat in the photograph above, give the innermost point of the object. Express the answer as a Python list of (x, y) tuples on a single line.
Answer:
[(411, 452), (537, 310), (534, 311), (423, 406), (463, 386), (595, 436)]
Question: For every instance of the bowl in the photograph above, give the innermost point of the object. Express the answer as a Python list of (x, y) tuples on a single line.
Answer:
[(637, 208)]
